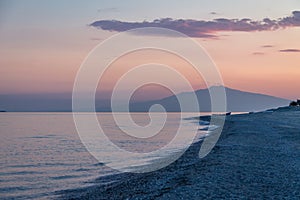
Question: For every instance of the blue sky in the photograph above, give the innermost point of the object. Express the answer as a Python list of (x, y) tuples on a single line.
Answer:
[(65, 13)]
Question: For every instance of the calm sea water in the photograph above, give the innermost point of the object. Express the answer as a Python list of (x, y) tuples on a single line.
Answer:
[(41, 153)]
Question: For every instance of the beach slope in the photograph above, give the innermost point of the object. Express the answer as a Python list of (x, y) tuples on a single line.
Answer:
[(257, 156)]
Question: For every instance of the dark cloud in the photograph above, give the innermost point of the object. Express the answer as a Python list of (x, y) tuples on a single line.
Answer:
[(213, 13), (290, 50), (201, 28)]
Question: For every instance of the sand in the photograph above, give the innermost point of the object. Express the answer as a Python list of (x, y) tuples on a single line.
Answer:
[(256, 157)]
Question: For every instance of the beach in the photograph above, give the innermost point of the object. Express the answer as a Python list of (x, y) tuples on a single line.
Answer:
[(256, 157)]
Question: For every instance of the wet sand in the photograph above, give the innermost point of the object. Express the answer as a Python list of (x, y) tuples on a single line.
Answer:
[(256, 157)]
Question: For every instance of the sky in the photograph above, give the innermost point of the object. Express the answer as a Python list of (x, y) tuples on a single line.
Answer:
[(43, 43)]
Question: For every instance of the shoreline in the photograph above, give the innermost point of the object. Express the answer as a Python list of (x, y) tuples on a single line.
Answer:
[(257, 156)]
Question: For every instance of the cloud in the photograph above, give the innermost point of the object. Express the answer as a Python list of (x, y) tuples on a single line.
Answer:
[(96, 39), (104, 10), (202, 28), (267, 46), (213, 13), (258, 53), (290, 50)]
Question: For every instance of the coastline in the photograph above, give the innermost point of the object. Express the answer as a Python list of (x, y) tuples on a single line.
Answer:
[(257, 156)]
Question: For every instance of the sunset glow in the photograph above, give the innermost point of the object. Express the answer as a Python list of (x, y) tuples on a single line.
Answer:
[(43, 54)]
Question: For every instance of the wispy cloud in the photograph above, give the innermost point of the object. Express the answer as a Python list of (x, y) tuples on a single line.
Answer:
[(258, 53), (202, 28), (290, 50), (96, 39), (267, 46), (104, 10)]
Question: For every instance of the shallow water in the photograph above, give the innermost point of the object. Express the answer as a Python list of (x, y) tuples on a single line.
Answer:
[(41, 153)]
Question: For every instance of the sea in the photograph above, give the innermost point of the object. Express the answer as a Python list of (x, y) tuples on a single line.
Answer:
[(42, 154)]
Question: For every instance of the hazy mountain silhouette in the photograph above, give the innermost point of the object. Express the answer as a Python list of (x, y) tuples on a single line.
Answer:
[(236, 101)]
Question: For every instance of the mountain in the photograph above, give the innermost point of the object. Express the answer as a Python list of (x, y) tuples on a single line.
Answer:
[(237, 101)]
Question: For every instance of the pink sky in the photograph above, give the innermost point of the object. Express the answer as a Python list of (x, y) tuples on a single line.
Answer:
[(240, 57)]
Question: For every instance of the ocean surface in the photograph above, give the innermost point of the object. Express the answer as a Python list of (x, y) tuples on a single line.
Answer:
[(42, 154)]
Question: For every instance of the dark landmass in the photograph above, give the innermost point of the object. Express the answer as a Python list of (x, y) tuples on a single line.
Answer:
[(256, 157), (237, 101), (295, 103)]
